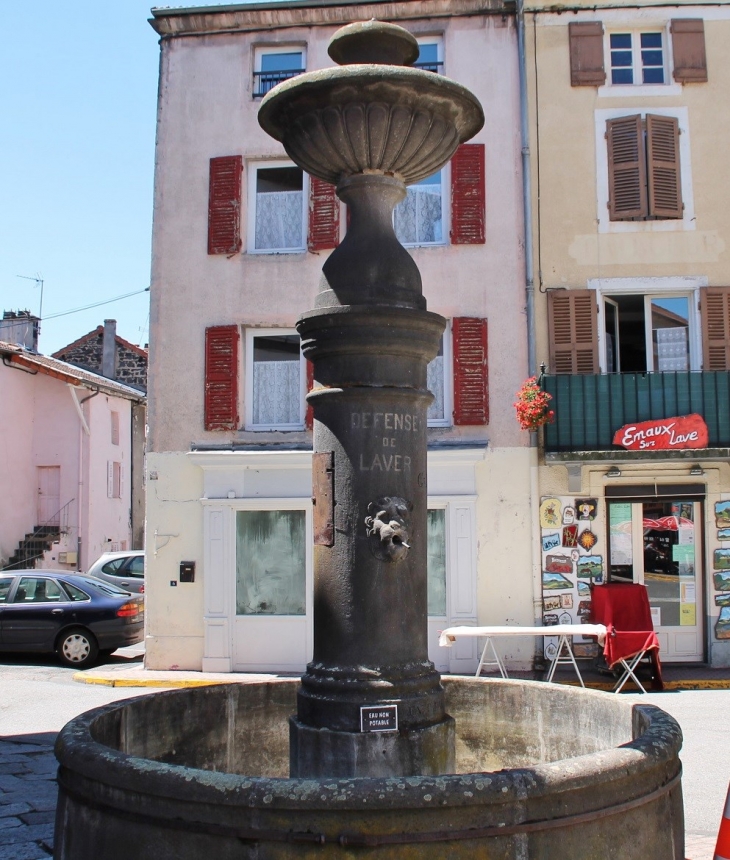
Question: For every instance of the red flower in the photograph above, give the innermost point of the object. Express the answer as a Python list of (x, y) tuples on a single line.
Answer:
[(532, 405)]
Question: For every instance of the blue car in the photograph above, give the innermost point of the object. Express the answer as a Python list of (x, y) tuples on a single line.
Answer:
[(77, 617)]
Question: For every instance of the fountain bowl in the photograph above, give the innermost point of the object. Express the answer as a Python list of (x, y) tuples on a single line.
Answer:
[(544, 771), (374, 118)]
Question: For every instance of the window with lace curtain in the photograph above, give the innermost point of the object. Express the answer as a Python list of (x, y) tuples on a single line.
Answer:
[(276, 380), (418, 220), (438, 375), (277, 208)]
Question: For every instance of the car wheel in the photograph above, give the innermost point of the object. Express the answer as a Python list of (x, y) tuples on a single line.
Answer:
[(77, 648)]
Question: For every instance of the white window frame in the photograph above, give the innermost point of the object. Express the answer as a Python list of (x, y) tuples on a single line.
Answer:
[(253, 169), (669, 88), (668, 225), (652, 288), (445, 213), (447, 419), (251, 334), (260, 51), (437, 40)]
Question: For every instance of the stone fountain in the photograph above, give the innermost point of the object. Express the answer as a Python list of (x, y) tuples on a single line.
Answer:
[(381, 759)]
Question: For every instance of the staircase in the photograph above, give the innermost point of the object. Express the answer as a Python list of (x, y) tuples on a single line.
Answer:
[(32, 547)]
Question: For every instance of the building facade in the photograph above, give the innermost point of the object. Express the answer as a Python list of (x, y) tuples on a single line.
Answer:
[(240, 235), (630, 241)]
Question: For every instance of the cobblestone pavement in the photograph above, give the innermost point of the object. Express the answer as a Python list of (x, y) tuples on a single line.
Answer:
[(27, 796)]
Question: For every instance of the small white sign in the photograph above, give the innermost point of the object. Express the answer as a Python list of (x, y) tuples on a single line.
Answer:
[(656, 616)]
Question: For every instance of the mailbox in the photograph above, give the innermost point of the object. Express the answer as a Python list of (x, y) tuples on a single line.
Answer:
[(187, 571)]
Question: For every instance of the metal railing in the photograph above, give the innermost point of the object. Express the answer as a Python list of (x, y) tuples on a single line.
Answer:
[(589, 408), (56, 524), (433, 66), (265, 81)]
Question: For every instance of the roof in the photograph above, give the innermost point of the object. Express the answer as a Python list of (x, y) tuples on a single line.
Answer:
[(17, 356), (99, 330)]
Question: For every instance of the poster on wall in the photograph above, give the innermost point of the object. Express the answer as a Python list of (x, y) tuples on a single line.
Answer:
[(619, 534), (722, 514), (567, 567), (722, 627)]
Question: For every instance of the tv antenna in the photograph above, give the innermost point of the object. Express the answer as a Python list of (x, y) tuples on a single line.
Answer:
[(39, 283)]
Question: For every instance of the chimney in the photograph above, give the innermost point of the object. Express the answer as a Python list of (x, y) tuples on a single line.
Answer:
[(20, 328), (109, 350)]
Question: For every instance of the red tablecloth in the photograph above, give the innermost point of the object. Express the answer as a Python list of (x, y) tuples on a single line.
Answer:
[(624, 608)]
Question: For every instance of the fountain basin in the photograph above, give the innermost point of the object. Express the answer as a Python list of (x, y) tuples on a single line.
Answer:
[(544, 772)]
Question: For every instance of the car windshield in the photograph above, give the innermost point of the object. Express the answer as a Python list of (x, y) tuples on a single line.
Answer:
[(100, 585)]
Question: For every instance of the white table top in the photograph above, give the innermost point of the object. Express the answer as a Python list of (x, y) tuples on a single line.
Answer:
[(449, 635)]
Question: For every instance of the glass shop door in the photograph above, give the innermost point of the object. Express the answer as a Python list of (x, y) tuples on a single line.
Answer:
[(658, 543)]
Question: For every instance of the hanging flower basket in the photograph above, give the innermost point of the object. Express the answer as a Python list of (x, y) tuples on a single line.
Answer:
[(532, 405)]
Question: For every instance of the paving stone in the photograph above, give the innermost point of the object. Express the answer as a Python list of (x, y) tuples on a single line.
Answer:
[(9, 783), (48, 817), (27, 833), (30, 851), (13, 809), (9, 824), (14, 768)]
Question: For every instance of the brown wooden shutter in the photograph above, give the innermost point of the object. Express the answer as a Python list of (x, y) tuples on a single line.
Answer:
[(471, 381), (573, 331), (221, 377), (626, 168), (324, 216), (688, 49), (468, 195), (586, 54), (715, 315), (309, 415), (224, 205), (662, 150)]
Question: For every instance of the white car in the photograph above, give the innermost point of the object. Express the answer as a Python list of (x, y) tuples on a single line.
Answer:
[(124, 569)]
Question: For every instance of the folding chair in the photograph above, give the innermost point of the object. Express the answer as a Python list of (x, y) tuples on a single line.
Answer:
[(624, 609)]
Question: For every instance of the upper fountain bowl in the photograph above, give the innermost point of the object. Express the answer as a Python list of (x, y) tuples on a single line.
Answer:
[(373, 114)]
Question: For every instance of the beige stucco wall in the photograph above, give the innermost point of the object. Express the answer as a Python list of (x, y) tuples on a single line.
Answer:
[(569, 247)]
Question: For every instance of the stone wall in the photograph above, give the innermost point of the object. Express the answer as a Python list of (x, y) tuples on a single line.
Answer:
[(131, 366)]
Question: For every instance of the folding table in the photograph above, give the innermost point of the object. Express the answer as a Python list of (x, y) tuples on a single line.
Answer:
[(564, 632)]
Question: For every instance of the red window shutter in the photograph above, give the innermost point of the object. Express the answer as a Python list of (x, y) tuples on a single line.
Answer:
[(586, 54), (309, 416), (468, 195), (221, 377), (688, 49), (324, 216), (573, 331), (662, 155), (626, 168), (471, 382), (224, 205), (715, 313)]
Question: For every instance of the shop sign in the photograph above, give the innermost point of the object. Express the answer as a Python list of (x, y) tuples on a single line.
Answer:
[(688, 431)]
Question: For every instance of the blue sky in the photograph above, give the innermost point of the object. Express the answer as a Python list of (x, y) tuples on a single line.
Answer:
[(79, 106)]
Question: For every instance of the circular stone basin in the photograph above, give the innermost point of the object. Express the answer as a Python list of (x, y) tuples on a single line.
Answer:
[(544, 772)]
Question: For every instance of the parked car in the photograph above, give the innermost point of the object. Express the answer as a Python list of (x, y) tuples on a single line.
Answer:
[(124, 569), (78, 617)]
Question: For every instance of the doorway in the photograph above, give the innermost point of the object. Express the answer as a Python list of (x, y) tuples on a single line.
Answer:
[(49, 496), (658, 543)]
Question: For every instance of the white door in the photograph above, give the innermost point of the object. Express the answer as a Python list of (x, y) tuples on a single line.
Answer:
[(658, 543), (273, 596), (49, 495)]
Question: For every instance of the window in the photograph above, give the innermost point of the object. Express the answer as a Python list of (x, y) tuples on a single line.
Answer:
[(436, 561), (644, 171), (74, 593), (115, 428), (271, 562), (5, 584), (637, 58), (32, 589), (438, 381), (275, 380), (430, 54), (272, 65), (647, 333), (113, 480), (277, 207), (418, 219)]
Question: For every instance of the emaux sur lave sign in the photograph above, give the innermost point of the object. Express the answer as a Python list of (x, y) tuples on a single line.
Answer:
[(687, 431)]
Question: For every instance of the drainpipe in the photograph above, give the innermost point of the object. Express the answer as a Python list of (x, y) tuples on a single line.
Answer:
[(83, 429), (536, 565)]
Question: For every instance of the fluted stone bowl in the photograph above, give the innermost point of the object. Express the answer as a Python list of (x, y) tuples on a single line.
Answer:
[(370, 118)]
